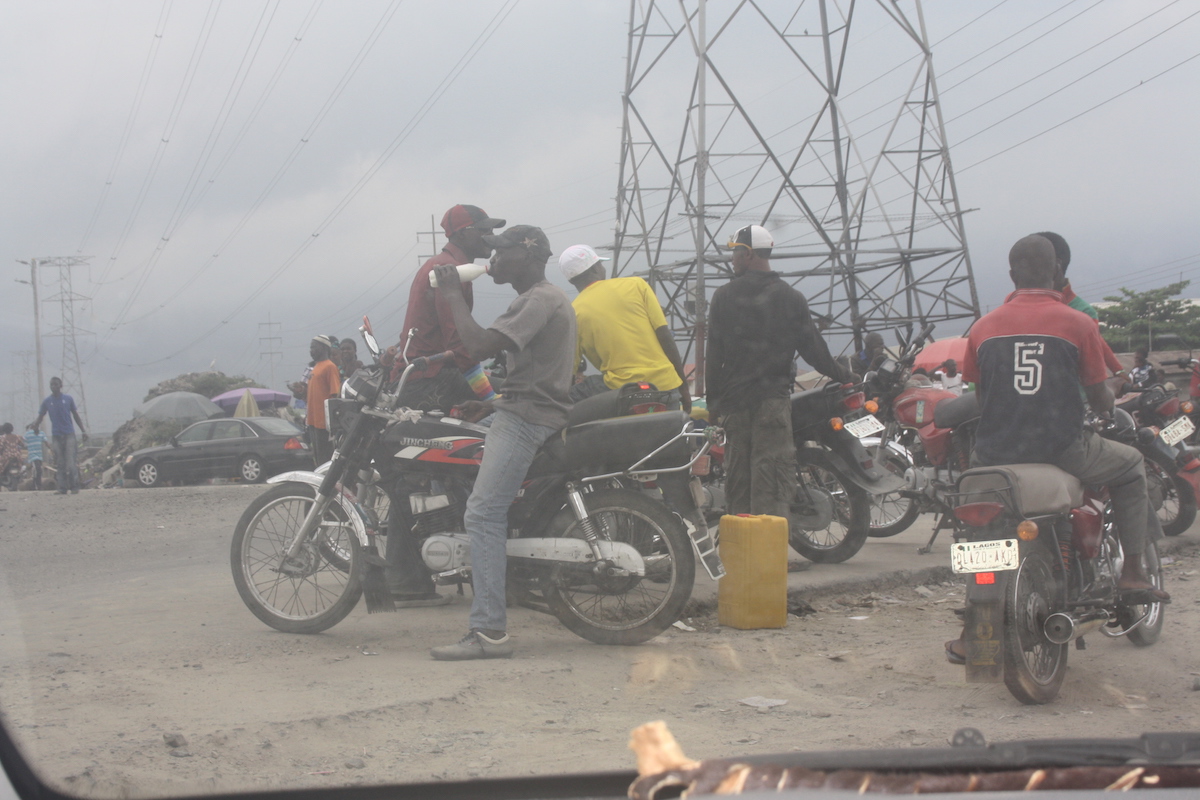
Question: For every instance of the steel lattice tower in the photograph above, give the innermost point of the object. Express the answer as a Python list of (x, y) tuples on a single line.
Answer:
[(72, 372), (740, 112)]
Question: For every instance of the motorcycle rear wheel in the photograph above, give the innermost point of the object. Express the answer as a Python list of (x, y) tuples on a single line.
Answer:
[(848, 531), (624, 610), (1148, 632), (1178, 509), (1034, 667), (328, 585)]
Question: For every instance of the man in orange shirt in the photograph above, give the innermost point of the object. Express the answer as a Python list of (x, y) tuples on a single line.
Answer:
[(325, 382)]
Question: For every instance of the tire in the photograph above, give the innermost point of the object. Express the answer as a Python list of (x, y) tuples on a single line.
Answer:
[(1147, 632), (624, 610), (328, 583), (892, 513), (251, 470), (848, 531), (1034, 667), (148, 474), (1177, 511)]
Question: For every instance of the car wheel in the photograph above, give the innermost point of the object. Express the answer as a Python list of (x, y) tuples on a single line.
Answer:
[(148, 474), (251, 470)]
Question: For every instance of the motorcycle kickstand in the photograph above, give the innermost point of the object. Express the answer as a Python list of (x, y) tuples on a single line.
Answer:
[(928, 548)]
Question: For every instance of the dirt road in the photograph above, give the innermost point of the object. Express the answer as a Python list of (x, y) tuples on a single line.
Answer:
[(120, 629)]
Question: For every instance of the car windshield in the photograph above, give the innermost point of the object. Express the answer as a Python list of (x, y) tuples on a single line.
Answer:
[(713, 221)]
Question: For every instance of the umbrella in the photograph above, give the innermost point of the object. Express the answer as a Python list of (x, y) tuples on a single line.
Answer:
[(935, 353), (265, 398), (247, 407), (178, 406)]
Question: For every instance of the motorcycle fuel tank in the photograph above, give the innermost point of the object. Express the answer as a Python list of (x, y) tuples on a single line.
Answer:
[(914, 407), (437, 440)]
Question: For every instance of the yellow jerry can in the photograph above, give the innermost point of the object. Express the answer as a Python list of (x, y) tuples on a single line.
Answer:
[(753, 593)]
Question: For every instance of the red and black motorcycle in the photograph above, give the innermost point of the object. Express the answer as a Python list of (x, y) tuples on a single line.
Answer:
[(1042, 556), (614, 565)]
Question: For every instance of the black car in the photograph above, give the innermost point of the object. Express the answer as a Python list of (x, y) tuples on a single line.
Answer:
[(250, 449)]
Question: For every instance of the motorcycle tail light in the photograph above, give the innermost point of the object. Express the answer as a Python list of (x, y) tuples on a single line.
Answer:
[(1169, 408), (837, 423), (293, 444), (854, 401), (985, 578), (1027, 530), (978, 514), (1187, 407), (702, 466), (871, 406), (1191, 465)]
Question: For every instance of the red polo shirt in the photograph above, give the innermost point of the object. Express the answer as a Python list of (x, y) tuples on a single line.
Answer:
[(431, 316)]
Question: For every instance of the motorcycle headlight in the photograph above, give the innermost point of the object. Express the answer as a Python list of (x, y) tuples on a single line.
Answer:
[(363, 385)]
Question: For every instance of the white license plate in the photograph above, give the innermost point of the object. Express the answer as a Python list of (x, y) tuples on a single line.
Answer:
[(864, 426), (992, 556), (1176, 432)]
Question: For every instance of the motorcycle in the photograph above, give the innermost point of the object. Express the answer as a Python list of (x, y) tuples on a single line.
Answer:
[(830, 519), (931, 429), (11, 476), (1172, 472), (1042, 557), (612, 564)]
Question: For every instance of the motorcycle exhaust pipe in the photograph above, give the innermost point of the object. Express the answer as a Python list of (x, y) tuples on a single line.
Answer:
[(1064, 627)]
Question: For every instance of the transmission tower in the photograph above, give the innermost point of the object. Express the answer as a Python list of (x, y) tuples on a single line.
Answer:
[(750, 112), (269, 345), (72, 374)]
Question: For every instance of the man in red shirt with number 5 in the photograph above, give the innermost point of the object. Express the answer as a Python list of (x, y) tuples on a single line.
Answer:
[(1028, 358)]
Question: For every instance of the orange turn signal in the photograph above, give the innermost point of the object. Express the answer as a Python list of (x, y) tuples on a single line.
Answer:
[(1187, 407), (837, 423), (871, 406), (1027, 530)]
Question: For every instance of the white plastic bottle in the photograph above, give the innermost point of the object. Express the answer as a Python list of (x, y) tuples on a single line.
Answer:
[(466, 272)]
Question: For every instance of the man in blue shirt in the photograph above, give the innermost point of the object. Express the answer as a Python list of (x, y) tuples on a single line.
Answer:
[(61, 407), (35, 440)]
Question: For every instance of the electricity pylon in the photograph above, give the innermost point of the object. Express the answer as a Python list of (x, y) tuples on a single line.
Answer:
[(739, 112)]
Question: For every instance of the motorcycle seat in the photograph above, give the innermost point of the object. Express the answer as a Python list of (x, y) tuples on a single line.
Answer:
[(1037, 489), (612, 445), (809, 404), (589, 409), (952, 413)]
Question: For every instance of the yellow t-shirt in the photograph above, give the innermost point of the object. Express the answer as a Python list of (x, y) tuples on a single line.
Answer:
[(616, 319)]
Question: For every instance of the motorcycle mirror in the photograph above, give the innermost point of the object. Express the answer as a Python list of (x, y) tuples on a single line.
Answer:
[(369, 337)]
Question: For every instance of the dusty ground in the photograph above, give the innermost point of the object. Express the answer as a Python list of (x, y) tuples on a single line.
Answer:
[(120, 627)]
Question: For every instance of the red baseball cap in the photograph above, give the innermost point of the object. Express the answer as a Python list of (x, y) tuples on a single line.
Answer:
[(462, 216)]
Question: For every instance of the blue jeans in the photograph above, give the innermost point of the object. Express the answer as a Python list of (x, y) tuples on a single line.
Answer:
[(510, 447), (66, 452), (593, 385)]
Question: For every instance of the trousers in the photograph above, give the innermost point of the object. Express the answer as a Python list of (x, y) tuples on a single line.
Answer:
[(760, 458), (66, 454)]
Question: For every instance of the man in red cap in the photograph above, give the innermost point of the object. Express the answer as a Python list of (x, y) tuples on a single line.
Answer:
[(445, 384)]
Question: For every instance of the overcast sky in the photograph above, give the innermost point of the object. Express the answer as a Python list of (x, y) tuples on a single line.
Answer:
[(226, 165)]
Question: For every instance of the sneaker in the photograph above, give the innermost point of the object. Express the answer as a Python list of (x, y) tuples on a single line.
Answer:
[(474, 645)]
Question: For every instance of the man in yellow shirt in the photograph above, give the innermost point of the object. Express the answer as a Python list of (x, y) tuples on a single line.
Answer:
[(622, 330)]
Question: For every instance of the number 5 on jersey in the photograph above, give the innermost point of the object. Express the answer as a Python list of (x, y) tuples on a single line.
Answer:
[(1027, 370)]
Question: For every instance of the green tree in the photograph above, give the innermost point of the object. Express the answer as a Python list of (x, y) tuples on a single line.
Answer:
[(1144, 318)]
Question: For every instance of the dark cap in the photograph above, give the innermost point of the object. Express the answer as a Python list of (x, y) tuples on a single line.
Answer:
[(527, 236), (462, 216)]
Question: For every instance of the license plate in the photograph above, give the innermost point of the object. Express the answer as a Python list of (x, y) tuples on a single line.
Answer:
[(864, 426), (1176, 432), (992, 556)]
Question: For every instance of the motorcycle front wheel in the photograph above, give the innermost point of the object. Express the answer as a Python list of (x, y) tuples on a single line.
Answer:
[(320, 586), (1172, 497), (892, 513), (1149, 615), (1034, 667), (623, 610), (847, 531)]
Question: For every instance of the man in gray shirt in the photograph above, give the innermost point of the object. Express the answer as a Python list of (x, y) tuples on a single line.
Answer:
[(538, 331)]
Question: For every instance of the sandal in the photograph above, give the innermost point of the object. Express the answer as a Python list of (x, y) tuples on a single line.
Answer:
[(953, 656)]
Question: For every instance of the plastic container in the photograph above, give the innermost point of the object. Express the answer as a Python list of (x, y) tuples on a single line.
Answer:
[(466, 273), (753, 593)]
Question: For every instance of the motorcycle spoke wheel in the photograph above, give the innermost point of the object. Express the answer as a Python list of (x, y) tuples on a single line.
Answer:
[(1175, 503), (893, 513), (1034, 667), (846, 533), (624, 610), (323, 584), (1145, 622)]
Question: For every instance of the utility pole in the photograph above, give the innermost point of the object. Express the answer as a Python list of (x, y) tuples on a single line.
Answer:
[(37, 324), (432, 233), (272, 342)]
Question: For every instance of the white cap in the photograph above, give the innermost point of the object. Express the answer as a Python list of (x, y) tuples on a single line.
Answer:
[(753, 236), (577, 259)]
